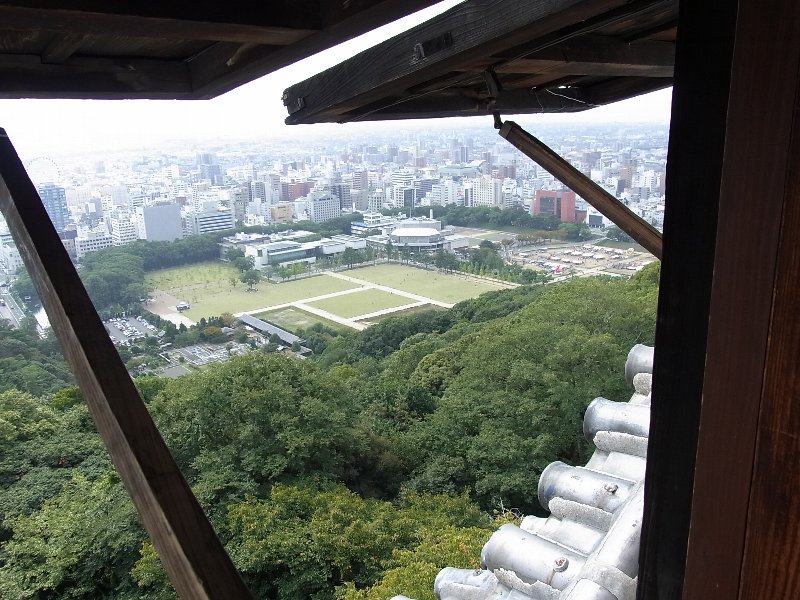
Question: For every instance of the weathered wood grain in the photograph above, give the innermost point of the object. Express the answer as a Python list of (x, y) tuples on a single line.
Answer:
[(390, 68), (99, 78), (743, 532)]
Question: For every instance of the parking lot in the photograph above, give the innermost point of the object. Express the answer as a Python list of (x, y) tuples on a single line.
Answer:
[(124, 330)]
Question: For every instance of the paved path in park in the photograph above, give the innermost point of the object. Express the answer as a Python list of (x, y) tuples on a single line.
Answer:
[(296, 302), (353, 322), (386, 311), (391, 290)]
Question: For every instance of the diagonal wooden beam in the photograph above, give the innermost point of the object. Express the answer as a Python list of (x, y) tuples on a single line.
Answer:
[(631, 223), (193, 556)]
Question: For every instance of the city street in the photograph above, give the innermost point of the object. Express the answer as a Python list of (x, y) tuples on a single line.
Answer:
[(9, 309)]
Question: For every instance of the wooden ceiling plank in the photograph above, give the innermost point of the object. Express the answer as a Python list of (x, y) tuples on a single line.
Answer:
[(75, 22), (97, 78), (62, 47), (603, 49), (598, 55), (619, 88), (193, 556), (213, 75), (462, 103), (560, 67), (393, 66)]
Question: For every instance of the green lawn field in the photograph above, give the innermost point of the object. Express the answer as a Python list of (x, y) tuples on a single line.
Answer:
[(361, 303), (210, 289), (402, 313), (292, 318), (431, 284)]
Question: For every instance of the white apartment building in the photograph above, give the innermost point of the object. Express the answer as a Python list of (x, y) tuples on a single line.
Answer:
[(9, 255), (445, 192), (322, 206), (92, 240), (123, 228), (486, 192)]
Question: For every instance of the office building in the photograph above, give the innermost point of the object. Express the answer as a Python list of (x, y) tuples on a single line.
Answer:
[(54, 199)]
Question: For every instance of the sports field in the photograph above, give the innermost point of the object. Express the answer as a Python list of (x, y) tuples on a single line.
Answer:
[(292, 318), (210, 289), (213, 288), (444, 287), (361, 303)]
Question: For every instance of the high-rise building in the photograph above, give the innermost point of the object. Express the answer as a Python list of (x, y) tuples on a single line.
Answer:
[(323, 206), (54, 199), (404, 197), (262, 191), (207, 221), (487, 192), (160, 222)]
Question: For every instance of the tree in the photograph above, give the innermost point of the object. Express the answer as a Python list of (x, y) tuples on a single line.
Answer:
[(575, 231), (615, 233), (350, 256), (244, 263), (251, 277)]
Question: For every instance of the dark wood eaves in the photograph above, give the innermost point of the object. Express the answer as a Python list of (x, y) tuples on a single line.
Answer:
[(204, 48), (437, 69)]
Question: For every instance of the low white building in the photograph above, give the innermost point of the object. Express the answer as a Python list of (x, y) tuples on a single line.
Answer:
[(89, 241)]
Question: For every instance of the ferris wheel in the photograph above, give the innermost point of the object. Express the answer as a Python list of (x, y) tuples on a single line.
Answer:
[(43, 169)]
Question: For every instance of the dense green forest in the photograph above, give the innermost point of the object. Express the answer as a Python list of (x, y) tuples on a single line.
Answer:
[(356, 475)]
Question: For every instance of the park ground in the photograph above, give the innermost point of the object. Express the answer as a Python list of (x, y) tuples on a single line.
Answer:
[(354, 298)]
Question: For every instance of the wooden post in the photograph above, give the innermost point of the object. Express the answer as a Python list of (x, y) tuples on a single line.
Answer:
[(631, 223), (745, 527), (195, 560), (703, 57)]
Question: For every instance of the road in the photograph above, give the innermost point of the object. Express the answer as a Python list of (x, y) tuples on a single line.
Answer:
[(11, 310)]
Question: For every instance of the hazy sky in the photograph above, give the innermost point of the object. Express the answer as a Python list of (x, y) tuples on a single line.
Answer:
[(54, 127)]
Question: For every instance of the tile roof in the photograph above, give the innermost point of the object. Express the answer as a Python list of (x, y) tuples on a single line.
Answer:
[(269, 329), (588, 548)]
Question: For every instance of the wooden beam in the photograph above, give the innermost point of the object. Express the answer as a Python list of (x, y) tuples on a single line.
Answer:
[(598, 55), (192, 554), (614, 89), (99, 78), (464, 103), (631, 223), (560, 68), (62, 47), (448, 42), (276, 23), (773, 526), (703, 60), (739, 508)]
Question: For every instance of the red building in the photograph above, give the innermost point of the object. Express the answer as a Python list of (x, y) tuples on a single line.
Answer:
[(294, 190), (560, 203)]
